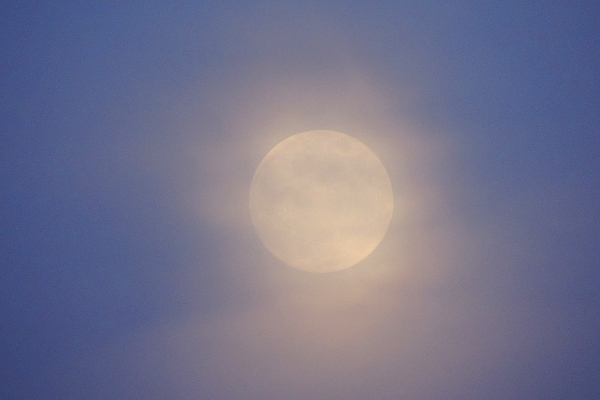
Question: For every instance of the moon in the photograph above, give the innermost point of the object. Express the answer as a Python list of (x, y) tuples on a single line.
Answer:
[(321, 201)]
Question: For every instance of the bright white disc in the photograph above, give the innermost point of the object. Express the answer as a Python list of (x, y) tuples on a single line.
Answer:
[(321, 201)]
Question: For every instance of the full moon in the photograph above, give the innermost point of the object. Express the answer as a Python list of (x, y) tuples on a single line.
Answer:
[(321, 201)]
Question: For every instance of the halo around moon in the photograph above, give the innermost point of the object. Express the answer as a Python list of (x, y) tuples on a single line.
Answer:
[(321, 201)]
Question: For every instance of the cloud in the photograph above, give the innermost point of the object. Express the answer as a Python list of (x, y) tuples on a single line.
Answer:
[(396, 322)]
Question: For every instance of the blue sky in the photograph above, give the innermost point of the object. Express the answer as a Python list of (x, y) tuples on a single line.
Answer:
[(129, 134)]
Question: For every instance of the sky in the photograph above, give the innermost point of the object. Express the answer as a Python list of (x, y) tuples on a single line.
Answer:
[(129, 135)]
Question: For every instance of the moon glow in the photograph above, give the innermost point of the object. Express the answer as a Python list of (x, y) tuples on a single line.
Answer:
[(321, 201)]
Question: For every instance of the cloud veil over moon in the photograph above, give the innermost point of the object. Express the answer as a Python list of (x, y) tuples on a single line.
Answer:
[(388, 319)]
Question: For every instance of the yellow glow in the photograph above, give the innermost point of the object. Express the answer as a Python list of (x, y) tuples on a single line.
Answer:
[(306, 333)]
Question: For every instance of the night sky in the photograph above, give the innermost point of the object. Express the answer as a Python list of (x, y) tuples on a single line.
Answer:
[(129, 135)]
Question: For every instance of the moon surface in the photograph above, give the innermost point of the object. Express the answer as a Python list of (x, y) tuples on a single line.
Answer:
[(321, 201)]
